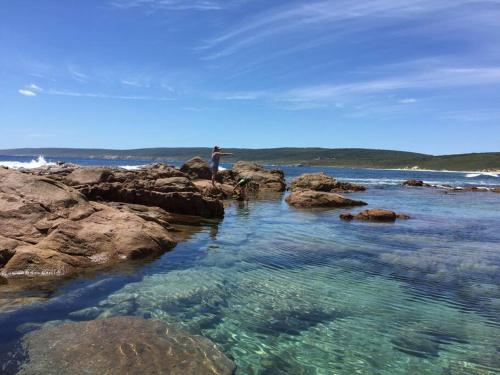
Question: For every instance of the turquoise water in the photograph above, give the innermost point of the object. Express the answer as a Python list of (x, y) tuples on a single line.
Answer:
[(287, 291)]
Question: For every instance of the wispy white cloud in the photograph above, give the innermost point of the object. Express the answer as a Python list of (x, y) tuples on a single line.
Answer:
[(407, 101), (106, 96), (77, 75), (327, 19), (30, 90), (26, 92), (135, 83), (173, 5), (35, 88), (332, 94)]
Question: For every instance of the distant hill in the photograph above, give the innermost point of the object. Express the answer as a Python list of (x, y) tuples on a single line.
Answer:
[(341, 157)]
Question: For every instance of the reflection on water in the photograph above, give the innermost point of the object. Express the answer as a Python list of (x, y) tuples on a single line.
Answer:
[(287, 291)]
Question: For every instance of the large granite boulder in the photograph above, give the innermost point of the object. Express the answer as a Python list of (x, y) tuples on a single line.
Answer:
[(266, 180), (121, 345), (157, 185), (375, 214), (50, 229), (310, 198), (197, 167), (323, 182)]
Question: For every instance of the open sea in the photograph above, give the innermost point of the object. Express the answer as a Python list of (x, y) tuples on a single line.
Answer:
[(289, 291)]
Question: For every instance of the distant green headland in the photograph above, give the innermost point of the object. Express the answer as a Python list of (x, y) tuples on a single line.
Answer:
[(339, 157)]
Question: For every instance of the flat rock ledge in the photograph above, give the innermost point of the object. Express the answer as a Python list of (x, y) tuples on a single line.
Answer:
[(121, 345), (375, 214), (310, 198)]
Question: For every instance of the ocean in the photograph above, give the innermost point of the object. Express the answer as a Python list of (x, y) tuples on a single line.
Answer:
[(288, 291)]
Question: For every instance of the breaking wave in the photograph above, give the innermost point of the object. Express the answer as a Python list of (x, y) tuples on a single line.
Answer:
[(39, 162)]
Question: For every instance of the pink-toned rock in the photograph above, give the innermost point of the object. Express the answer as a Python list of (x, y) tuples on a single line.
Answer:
[(219, 191), (88, 175), (266, 180), (323, 182), (50, 229), (310, 198)]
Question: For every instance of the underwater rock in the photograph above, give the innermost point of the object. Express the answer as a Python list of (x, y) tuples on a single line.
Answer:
[(121, 345), (197, 167), (416, 344), (266, 180), (323, 182), (310, 198), (375, 214)]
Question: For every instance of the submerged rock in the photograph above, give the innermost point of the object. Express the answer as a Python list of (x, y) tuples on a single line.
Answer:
[(375, 214), (197, 167), (310, 198), (323, 182), (121, 345)]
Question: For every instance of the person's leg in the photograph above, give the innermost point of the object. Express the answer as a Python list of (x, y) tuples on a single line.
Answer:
[(214, 175)]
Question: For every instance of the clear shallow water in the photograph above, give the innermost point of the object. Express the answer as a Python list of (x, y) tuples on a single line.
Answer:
[(286, 291)]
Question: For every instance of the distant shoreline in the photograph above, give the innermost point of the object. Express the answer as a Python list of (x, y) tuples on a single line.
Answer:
[(312, 157)]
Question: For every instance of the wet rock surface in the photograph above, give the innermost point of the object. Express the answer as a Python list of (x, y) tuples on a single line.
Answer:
[(375, 214), (121, 345), (310, 198)]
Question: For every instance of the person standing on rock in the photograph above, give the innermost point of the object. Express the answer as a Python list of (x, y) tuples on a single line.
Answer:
[(216, 154)]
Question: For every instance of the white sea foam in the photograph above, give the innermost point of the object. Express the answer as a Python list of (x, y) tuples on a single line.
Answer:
[(40, 162), (132, 167), (489, 174)]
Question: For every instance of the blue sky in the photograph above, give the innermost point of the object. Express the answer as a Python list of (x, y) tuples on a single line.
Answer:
[(419, 75)]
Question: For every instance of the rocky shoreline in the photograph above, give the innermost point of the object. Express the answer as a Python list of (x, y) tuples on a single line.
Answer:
[(56, 222)]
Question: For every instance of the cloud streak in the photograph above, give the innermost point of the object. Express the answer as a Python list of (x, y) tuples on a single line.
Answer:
[(106, 96), (30, 90), (174, 5), (328, 19), (331, 94)]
